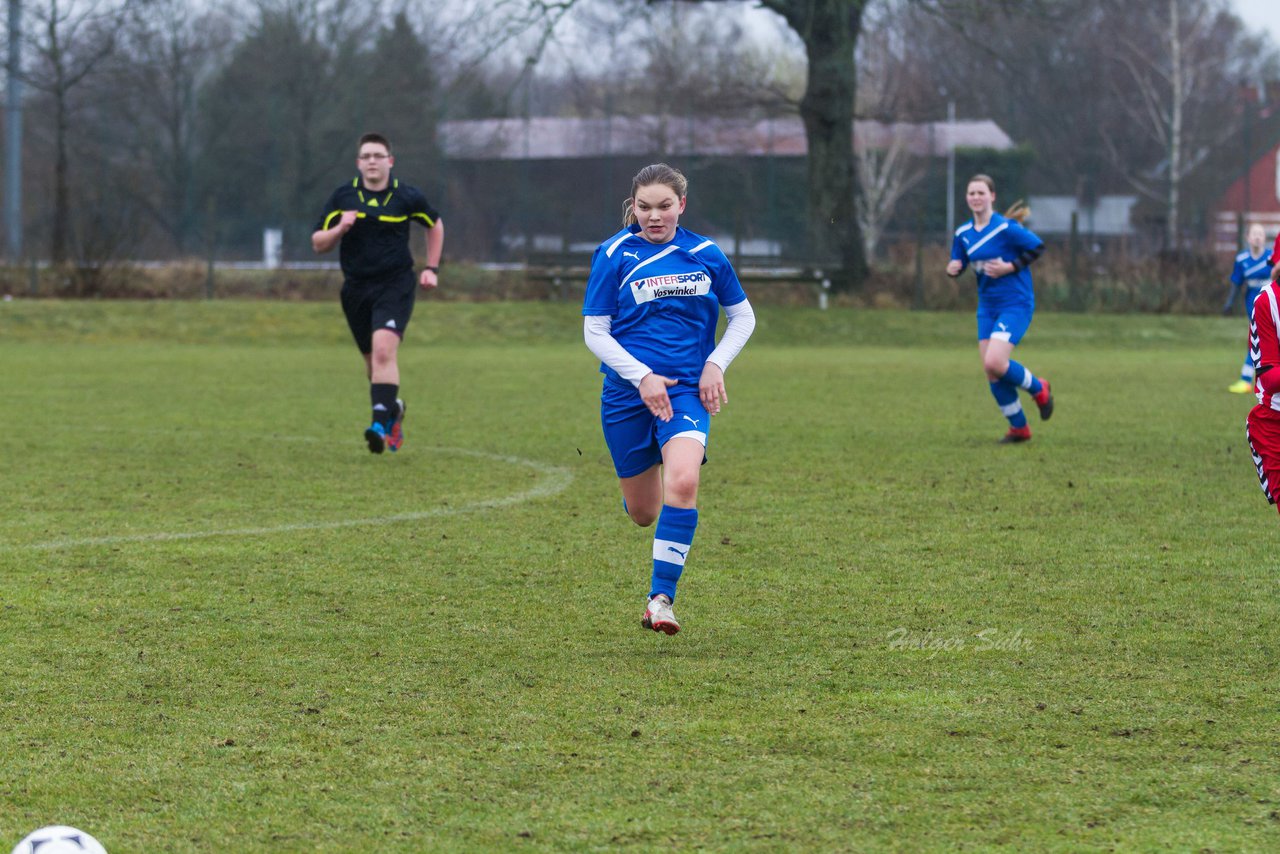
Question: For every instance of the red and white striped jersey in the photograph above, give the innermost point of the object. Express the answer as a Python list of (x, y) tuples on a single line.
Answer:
[(1264, 349)]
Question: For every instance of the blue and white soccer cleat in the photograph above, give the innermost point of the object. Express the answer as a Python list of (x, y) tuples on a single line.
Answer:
[(659, 617), (376, 436)]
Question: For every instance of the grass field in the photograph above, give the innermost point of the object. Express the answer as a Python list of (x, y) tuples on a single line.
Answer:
[(224, 626)]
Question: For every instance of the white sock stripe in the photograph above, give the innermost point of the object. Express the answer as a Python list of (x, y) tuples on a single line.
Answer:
[(1011, 408), (692, 434), (1027, 379), (670, 551)]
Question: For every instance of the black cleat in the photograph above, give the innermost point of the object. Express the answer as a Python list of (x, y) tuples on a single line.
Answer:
[(376, 436), (1044, 401)]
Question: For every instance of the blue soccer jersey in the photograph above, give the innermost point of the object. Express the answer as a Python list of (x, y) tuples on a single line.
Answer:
[(1002, 239), (664, 299), (1255, 272)]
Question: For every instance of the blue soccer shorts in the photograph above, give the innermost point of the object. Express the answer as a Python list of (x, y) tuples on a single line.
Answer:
[(1003, 322), (635, 436)]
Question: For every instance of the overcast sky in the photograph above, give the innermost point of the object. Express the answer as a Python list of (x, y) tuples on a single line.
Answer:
[(1259, 15)]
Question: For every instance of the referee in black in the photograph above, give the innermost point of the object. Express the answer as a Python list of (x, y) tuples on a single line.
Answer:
[(368, 219)]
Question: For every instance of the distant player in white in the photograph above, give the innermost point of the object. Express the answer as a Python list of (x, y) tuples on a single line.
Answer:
[(650, 314), (1251, 271)]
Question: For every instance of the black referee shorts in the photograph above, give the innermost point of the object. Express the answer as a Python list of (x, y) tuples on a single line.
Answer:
[(378, 304)]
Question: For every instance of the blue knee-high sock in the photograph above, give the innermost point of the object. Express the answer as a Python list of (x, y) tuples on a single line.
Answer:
[(1006, 396), (1021, 377), (671, 542)]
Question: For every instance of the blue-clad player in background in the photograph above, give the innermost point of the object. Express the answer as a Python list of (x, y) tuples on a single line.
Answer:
[(1000, 250), (1252, 270), (650, 312)]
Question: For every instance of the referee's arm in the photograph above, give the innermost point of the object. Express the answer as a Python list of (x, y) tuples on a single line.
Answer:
[(429, 277), (435, 243), (325, 239)]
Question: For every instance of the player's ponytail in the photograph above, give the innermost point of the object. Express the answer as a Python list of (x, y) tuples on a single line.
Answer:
[(658, 173), (1018, 211)]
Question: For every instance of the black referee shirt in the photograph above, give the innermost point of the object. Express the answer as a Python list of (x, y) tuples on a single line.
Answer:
[(377, 245)]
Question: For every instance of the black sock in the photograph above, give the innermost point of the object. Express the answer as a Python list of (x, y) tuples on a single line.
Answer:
[(385, 408)]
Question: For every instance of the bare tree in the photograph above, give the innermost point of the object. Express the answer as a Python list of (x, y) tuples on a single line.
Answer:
[(885, 176), (169, 53), (406, 110), (1025, 68), (829, 30), (71, 41), (282, 115), (1170, 80), (522, 28), (887, 88)]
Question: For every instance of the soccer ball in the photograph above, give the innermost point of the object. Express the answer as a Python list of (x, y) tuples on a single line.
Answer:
[(58, 839)]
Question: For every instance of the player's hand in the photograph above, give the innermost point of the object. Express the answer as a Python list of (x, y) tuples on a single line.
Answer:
[(653, 391), (429, 279), (954, 268), (348, 220), (711, 388), (997, 267)]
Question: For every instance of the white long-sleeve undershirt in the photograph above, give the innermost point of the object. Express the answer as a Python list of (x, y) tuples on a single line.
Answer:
[(741, 322), (600, 341), (595, 329)]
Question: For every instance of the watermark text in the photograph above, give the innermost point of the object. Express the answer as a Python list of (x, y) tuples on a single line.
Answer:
[(933, 643)]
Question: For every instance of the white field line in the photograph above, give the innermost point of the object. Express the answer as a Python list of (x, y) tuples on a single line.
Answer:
[(554, 480)]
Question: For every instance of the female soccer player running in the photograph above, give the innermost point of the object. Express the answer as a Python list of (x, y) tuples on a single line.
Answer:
[(1000, 250), (1252, 268), (650, 313)]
